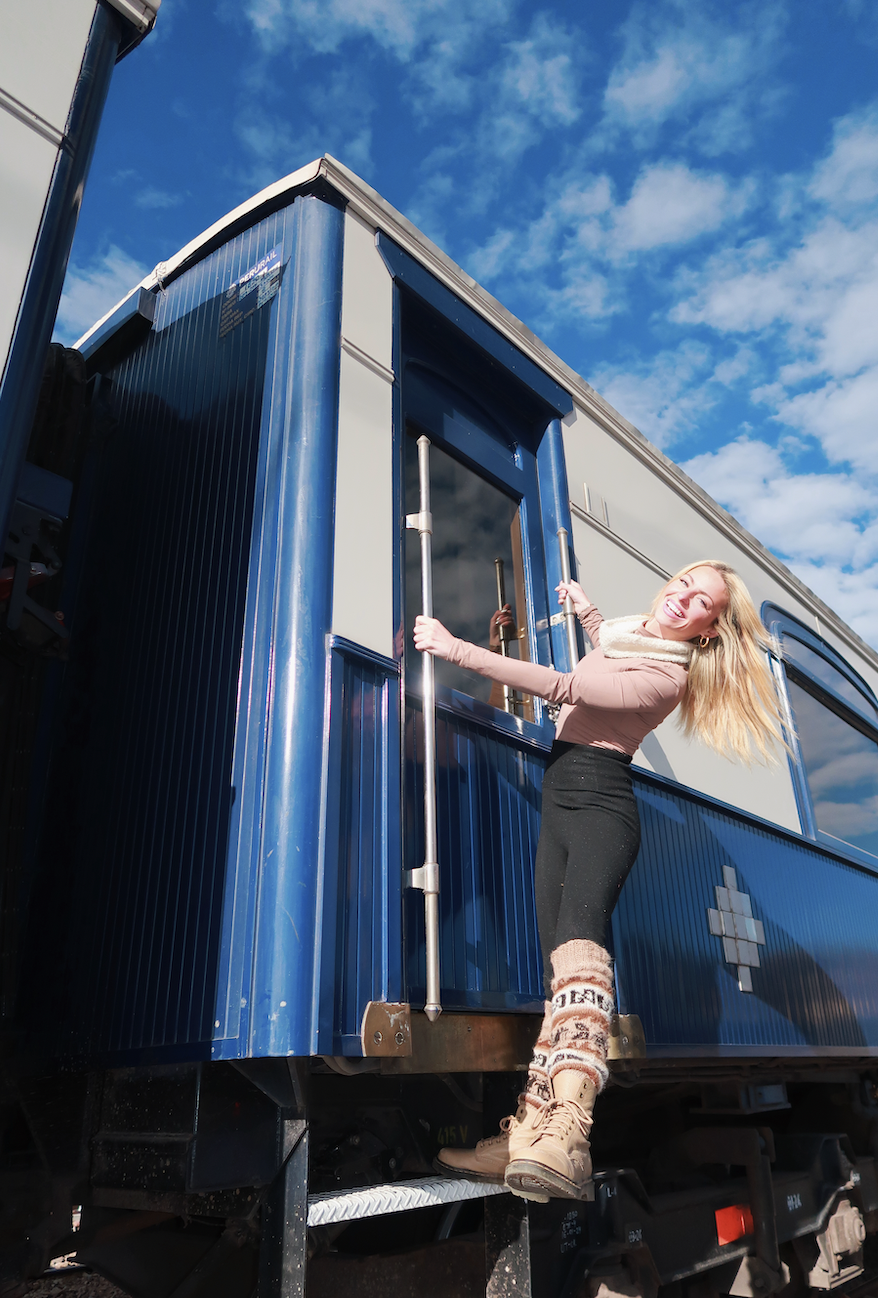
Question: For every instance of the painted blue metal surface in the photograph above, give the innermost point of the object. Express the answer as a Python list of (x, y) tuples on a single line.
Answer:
[(362, 902), (446, 411), (138, 802), (817, 985), (138, 308), (33, 329), (233, 803), (278, 843), (555, 501), (471, 325), (488, 806), (489, 765)]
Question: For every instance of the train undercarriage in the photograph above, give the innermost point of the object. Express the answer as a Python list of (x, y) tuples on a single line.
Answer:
[(279, 1177)]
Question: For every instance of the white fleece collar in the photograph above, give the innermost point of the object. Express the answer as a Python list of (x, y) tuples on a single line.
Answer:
[(619, 639)]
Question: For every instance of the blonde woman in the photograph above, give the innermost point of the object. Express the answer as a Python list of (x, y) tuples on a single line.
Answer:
[(701, 648)]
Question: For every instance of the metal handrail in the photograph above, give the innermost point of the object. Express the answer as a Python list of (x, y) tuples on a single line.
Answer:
[(427, 877), (569, 610), (501, 629)]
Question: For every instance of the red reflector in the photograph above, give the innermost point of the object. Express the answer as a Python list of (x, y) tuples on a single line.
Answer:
[(733, 1223)]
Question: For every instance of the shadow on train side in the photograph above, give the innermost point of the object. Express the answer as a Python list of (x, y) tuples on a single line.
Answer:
[(162, 574)]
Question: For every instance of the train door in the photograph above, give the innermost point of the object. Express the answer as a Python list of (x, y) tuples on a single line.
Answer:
[(470, 433)]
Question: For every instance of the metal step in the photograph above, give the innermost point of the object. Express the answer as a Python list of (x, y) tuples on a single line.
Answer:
[(401, 1196)]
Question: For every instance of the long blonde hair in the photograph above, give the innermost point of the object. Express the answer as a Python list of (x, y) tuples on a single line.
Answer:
[(731, 703)]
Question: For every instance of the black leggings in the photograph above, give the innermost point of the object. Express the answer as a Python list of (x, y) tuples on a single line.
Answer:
[(589, 839)]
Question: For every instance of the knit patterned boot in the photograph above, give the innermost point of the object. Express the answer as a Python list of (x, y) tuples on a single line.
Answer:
[(487, 1162), (557, 1160)]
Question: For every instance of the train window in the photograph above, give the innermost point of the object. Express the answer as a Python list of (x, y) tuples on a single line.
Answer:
[(841, 764), (820, 669), (477, 554), (835, 719)]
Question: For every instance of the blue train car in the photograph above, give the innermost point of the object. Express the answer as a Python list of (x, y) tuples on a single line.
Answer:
[(226, 944)]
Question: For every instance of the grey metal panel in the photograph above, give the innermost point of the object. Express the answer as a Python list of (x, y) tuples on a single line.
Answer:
[(41, 48), (21, 375), (26, 165)]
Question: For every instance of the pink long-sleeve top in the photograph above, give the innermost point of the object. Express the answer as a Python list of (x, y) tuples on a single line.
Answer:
[(606, 702)]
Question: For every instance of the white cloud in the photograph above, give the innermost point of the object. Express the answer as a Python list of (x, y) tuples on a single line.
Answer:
[(649, 88), (585, 294), (735, 367), (682, 61), (809, 516), (574, 257), (810, 300), (825, 525), (516, 93), (853, 595), (90, 291), (277, 23), (399, 26), (849, 175), (670, 204), (484, 263), (843, 416), (763, 283), (665, 396), (539, 73), (531, 90), (151, 197), (449, 58), (339, 122), (430, 206)]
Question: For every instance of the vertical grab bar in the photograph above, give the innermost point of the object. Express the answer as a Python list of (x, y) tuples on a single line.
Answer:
[(427, 876), (569, 612), (501, 630)]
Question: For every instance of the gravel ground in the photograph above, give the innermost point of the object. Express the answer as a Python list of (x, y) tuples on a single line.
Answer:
[(74, 1284)]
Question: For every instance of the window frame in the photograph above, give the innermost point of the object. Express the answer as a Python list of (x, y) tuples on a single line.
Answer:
[(516, 477), (526, 471), (781, 624)]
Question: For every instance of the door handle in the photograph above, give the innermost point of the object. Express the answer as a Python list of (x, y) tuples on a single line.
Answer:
[(427, 876)]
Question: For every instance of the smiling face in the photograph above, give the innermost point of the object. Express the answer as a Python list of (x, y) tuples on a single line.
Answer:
[(689, 605)]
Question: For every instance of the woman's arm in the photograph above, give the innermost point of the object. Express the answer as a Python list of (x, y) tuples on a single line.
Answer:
[(589, 616), (646, 686)]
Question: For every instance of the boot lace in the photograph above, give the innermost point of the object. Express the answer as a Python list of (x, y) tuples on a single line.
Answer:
[(488, 1141), (506, 1124), (560, 1118)]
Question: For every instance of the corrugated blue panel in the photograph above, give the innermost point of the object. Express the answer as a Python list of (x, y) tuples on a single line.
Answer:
[(489, 813), (269, 996), (817, 984), (139, 800), (363, 890)]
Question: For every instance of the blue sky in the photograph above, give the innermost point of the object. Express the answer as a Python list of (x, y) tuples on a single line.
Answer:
[(680, 198)]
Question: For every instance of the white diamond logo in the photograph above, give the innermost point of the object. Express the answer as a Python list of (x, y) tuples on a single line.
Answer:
[(741, 934)]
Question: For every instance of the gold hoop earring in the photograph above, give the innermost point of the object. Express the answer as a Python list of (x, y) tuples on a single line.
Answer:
[(703, 642)]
